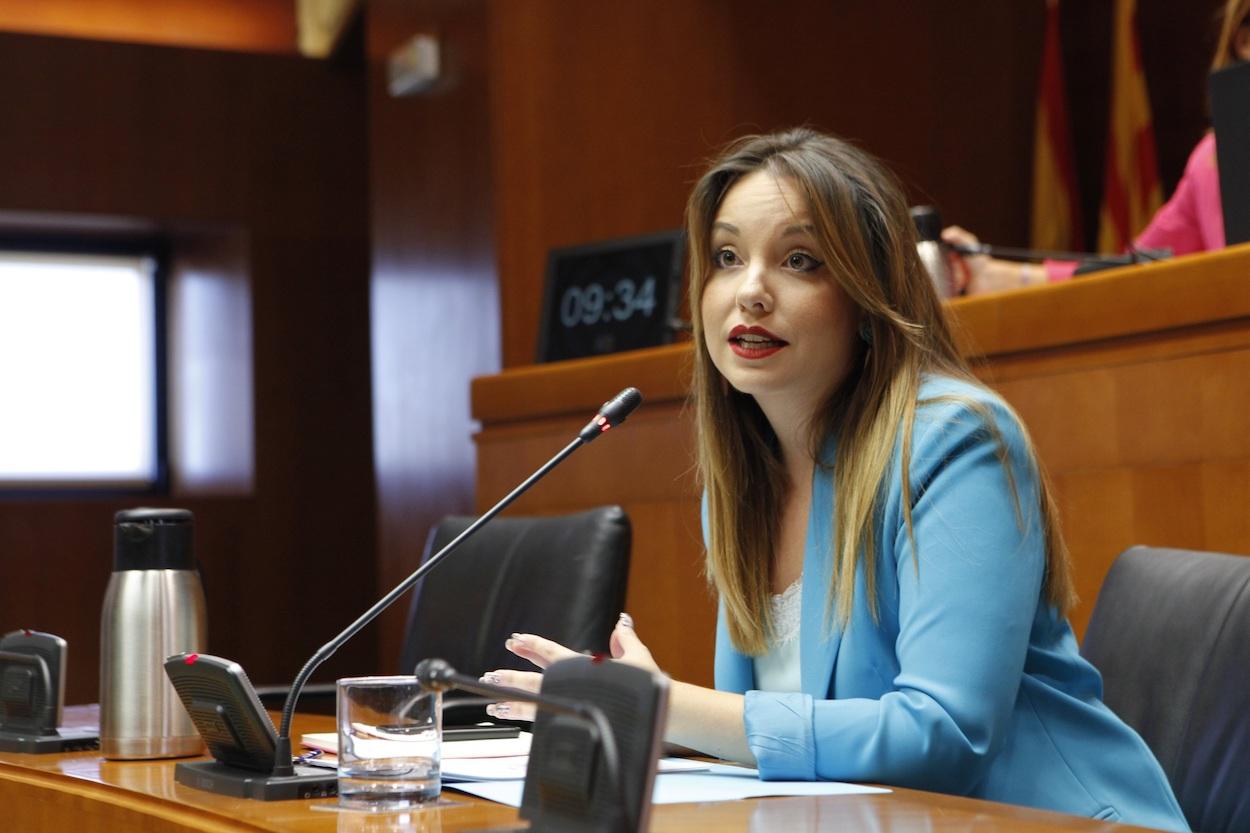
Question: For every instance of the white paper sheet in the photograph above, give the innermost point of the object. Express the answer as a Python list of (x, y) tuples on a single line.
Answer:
[(328, 742), (719, 782), (513, 769)]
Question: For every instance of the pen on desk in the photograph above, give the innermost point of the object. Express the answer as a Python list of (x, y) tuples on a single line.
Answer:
[(308, 756)]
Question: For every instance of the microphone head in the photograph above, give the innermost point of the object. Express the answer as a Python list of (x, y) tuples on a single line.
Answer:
[(612, 413), (434, 674), (620, 406)]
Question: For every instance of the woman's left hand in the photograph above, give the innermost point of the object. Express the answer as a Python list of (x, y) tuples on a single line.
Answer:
[(624, 644)]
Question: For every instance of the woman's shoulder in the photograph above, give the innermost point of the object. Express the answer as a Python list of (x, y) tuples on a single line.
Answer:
[(951, 410), (940, 395), (936, 385)]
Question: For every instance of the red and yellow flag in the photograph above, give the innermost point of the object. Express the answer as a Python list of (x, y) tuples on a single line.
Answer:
[(1056, 204), (1131, 192)]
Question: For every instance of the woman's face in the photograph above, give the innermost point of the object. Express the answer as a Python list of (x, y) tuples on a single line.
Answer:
[(776, 323)]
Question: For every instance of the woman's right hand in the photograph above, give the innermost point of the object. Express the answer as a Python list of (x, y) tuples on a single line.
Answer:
[(541, 652), (624, 644)]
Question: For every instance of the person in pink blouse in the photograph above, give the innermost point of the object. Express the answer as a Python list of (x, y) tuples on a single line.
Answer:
[(1191, 221)]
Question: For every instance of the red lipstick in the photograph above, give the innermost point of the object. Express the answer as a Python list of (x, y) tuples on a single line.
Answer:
[(754, 342)]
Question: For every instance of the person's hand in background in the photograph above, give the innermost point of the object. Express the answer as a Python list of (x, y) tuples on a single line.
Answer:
[(978, 274)]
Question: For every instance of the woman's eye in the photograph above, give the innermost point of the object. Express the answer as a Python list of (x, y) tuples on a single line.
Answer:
[(802, 262), (724, 259)]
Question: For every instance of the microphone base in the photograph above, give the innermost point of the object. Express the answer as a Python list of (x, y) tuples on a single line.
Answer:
[(216, 777), (65, 740)]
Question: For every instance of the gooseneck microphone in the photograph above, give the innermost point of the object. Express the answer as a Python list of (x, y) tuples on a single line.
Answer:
[(612, 413)]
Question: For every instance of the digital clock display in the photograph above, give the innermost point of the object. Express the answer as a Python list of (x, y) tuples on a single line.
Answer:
[(611, 296)]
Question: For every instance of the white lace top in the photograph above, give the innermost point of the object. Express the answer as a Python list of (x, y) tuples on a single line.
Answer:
[(778, 670)]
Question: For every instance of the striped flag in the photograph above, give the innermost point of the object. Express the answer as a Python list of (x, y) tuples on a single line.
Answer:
[(1056, 204), (1131, 192)]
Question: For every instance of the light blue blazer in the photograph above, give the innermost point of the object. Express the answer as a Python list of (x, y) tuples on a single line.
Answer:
[(969, 682)]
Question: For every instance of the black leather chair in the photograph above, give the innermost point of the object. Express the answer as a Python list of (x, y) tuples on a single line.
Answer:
[(562, 577), (1170, 633)]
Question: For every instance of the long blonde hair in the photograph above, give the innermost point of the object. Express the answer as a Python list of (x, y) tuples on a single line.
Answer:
[(1236, 15), (868, 242)]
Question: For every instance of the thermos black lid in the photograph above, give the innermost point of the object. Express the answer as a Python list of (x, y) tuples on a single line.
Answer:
[(928, 222), (152, 539)]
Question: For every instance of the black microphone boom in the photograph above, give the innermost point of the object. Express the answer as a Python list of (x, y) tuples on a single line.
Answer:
[(613, 413), (1133, 255), (929, 228)]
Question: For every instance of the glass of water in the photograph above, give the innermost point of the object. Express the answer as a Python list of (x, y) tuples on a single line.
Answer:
[(390, 743)]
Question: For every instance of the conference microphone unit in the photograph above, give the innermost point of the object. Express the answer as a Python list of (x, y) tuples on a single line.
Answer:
[(929, 229), (1088, 260), (250, 762), (596, 741), (32, 696)]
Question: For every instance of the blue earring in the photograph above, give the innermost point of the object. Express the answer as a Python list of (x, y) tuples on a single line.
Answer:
[(865, 333)]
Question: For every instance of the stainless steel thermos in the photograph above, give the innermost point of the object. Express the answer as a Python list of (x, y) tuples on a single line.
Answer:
[(932, 250), (154, 607)]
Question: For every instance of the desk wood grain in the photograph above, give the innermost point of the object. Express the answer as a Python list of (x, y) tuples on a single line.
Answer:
[(84, 793)]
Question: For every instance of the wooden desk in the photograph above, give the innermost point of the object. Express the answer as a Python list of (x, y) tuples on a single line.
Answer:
[(83, 793), (1134, 383)]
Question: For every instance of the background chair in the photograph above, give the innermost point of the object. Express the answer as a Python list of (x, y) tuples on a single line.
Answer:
[(562, 577), (1170, 633)]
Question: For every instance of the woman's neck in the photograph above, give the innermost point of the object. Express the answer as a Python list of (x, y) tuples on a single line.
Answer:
[(791, 423)]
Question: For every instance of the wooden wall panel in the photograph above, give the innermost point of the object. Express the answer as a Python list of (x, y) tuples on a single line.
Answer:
[(602, 114), (433, 287), (1149, 448), (598, 111), (271, 149), (620, 465)]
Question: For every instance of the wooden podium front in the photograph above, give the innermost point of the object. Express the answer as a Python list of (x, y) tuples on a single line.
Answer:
[(1134, 383)]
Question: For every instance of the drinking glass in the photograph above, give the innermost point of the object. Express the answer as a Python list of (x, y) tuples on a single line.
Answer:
[(390, 743)]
